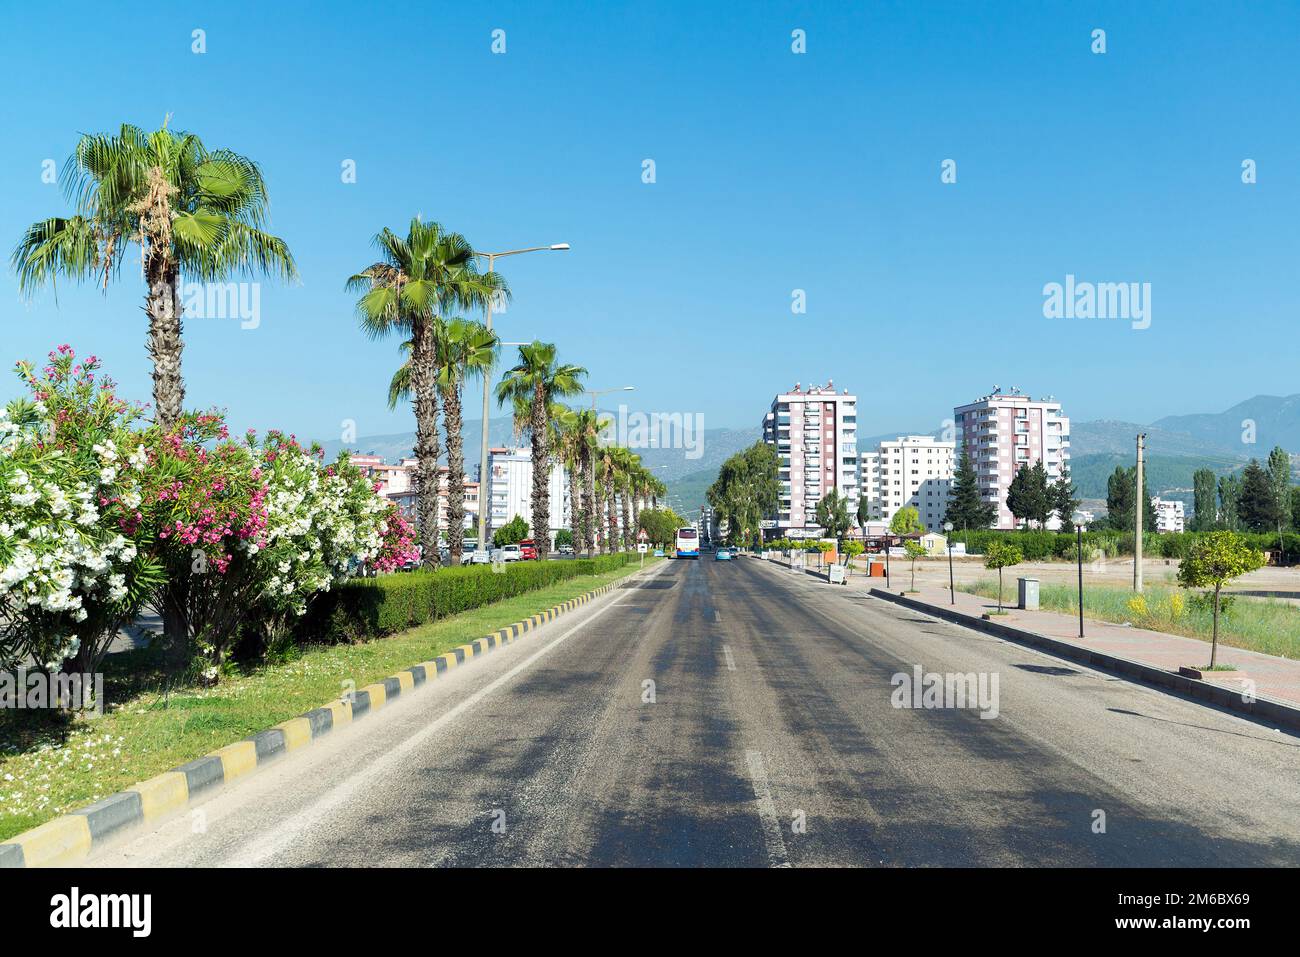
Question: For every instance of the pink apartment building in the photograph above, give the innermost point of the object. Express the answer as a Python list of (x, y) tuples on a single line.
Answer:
[(1003, 432), (815, 432)]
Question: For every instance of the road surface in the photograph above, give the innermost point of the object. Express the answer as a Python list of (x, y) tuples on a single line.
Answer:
[(769, 739)]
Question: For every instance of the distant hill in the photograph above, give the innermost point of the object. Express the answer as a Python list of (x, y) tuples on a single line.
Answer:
[(1169, 476), (1276, 422)]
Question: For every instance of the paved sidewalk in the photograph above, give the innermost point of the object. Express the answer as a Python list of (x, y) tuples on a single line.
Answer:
[(1274, 677)]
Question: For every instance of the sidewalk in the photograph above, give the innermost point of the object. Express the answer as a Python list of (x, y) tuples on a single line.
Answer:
[(1277, 678)]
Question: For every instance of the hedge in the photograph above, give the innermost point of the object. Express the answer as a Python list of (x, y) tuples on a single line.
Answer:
[(366, 608), (1041, 545)]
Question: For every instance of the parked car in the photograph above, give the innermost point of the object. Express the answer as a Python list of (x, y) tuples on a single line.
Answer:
[(528, 550), (722, 555), (507, 553), (566, 549)]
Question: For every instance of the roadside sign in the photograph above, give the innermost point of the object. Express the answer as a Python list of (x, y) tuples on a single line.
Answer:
[(641, 536)]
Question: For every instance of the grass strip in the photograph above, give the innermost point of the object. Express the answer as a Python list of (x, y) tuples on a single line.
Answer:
[(152, 732)]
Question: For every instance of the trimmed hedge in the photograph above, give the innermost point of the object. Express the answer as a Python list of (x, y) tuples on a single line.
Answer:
[(366, 608), (1042, 545)]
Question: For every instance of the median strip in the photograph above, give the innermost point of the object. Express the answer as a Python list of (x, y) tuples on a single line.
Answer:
[(69, 839)]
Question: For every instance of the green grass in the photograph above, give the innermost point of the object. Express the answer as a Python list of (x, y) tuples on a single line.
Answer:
[(50, 768), (1266, 625)]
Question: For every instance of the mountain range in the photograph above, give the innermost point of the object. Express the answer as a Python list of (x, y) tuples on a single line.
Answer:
[(1176, 446)]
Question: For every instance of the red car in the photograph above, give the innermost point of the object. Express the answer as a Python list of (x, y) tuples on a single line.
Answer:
[(528, 550)]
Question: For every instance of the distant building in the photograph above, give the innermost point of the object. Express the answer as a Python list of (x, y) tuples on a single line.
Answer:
[(913, 470), (815, 434), (510, 490), (1005, 432), (406, 500), (1169, 514)]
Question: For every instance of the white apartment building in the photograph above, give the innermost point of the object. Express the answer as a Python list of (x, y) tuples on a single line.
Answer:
[(1004, 431), (815, 433), (1169, 514), (510, 486), (913, 470)]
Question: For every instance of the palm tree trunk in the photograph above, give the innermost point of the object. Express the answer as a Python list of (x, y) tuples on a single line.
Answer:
[(611, 513), (576, 520), (541, 476), (164, 342), (426, 440), (590, 509), (627, 520), (455, 472)]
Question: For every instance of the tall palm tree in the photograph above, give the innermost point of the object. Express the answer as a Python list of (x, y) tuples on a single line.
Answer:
[(540, 379), (587, 428), (428, 273), (606, 468), (630, 482), (195, 213), (568, 446), (465, 349)]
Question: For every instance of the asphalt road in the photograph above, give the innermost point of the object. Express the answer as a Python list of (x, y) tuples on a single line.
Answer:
[(771, 740)]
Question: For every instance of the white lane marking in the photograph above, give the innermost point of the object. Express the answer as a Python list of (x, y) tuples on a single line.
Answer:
[(776, 854), (261, 850), (731, 662)]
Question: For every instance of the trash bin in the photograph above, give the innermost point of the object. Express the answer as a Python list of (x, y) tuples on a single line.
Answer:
[(1028, 589)]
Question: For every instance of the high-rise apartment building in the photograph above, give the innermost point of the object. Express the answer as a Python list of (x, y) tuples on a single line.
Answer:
[(913, 470), (815, 433), (1001, 432)]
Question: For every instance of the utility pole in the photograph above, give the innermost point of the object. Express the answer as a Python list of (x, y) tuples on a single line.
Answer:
[(1139, 509)]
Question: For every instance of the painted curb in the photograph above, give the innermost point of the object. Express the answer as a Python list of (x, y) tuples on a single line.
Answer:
[(69, 839), (1266, 710)]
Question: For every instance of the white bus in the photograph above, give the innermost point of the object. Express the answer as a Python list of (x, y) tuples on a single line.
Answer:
[(688, 543)]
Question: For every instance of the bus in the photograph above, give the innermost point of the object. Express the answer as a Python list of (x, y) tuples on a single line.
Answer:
[(688, 543)]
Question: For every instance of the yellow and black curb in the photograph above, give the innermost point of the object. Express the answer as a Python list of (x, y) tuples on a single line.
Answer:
[(67, 840)]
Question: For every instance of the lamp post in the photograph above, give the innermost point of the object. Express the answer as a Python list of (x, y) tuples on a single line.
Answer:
[(887, 585), (1078, 531), (484, 479), (952, 588)]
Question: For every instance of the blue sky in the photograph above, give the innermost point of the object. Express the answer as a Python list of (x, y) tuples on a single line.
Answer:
[(775, 172)]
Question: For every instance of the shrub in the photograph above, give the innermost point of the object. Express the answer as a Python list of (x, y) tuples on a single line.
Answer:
[(367, 608)]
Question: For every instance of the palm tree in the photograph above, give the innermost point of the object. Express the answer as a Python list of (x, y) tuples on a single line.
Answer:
[(587, 427), (540, 379), (465, 349), (605, 465), (428, 273), (568, 445), (194, 212)]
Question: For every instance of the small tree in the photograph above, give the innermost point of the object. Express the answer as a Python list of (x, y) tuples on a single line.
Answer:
[(563, 537), (511, 533), (914, 550), (833, 515), (1000, 555), (1213, 561), (906, 521)]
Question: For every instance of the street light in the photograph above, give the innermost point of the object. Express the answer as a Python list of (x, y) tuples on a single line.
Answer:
[(1078, 531), (595, 392), (952, 588), (483, 477)]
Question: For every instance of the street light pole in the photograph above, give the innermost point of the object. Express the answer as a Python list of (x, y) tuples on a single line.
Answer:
[(484, 480), (1078, 530), (952, 588)]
